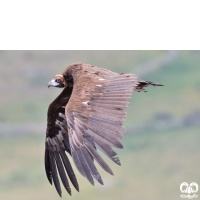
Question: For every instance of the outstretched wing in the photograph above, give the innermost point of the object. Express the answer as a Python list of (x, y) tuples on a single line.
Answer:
[(95, 115), (57, 142)]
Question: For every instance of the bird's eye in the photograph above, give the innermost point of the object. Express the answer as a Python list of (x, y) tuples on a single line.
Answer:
[(58, 80)]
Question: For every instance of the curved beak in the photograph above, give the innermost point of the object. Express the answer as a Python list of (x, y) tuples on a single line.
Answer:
[(49, 84), (52, 83)]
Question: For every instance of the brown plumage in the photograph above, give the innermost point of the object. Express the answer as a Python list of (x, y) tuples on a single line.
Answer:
[(86, 116)]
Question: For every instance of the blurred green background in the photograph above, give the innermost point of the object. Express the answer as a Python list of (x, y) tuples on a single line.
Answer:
[(161, 145)]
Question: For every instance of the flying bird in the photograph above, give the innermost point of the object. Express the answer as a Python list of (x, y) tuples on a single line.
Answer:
[(87, 116)]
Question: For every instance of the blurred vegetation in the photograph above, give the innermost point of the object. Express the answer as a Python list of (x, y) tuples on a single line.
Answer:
[(161, 145)]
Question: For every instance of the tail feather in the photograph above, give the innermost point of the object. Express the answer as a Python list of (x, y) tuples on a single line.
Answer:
[(142, 84)]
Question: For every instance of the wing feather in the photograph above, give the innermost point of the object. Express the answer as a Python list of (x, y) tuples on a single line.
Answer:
[(91, 165), (95, 118), (54, 173), (47, 166), (98, 158), (77, 163), (69, 170), (57, 142), (85, 166), (107, 150), (62, 172), (98, 133)]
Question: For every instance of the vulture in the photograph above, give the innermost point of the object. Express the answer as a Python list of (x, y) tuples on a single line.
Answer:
[(86, 117)]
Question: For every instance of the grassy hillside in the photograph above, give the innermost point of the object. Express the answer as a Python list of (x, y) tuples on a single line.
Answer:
[(153, 166), (24, 77)]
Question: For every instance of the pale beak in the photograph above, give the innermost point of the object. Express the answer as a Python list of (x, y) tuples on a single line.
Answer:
[(49, 84), (52, 83)]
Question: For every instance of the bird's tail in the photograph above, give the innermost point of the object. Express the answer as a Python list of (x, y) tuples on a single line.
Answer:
[(142, 84)]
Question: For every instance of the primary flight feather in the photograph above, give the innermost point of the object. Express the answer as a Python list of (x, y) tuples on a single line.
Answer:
[(86, 116)]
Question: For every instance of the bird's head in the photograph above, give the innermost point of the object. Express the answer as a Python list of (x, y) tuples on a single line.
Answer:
[(57, 81)]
